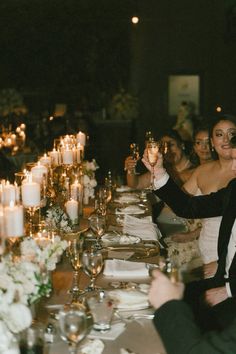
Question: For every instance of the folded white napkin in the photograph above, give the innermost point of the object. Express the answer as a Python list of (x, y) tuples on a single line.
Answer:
[(123, 189), (131, 209), (143, 228), (129, 299), (112, 334), (95, 346), (127, 198), (125, 351), (121, 268)]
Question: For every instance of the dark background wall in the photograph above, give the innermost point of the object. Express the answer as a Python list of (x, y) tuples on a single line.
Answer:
[(81, 52), (184, 37)]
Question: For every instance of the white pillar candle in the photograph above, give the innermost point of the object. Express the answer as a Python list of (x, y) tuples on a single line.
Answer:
[(81, 138), (45, 160), (8, 194), (67, 156), (38, 172), (75, 190), (2, 228), (54, 154), (80, 152), (14, 220), (67, 139), (72, 208), (30, 193)]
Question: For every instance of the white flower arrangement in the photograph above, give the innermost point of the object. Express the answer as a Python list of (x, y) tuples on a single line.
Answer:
[(24, 280), (11, 101), (45, 253), (123, 106), (20, 283), (56, 218), (89, 180)]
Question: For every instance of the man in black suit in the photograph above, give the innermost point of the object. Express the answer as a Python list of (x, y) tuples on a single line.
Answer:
[(213, 300), (175, 323)]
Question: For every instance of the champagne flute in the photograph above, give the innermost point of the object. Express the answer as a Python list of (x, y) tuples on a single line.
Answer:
[(152, 155), (104, 197), (148, 137), (73, 326), (92, 263), (98, 225), (134, 152), (75, 251)]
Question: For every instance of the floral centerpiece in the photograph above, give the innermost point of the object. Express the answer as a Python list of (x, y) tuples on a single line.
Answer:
[(24, 279), (56, 218), (11, 102), (89, 180), (123, 106)]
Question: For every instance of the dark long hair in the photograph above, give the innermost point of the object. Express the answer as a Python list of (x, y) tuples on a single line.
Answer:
[(224, 117), (203, 127)]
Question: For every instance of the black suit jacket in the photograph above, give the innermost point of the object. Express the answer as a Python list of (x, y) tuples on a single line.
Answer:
[(180, 335), (220, 203)]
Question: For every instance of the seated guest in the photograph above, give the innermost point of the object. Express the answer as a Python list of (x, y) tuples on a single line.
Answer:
[(210, 177), (219, 292), (201, 154), (175, 323), (176, 161), (180, 168)]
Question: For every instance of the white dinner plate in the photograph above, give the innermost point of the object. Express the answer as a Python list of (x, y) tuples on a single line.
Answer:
[(116, 239)]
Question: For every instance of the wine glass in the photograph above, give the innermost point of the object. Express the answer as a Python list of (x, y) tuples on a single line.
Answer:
[(92, 263), (104, 197), (75, 251), (152, 155), (73, 326), (134, 152), (98, 225), (148, 137), (167, 266)]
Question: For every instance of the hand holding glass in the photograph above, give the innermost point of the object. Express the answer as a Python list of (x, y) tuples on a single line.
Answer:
[(134, 152), (152, 155)]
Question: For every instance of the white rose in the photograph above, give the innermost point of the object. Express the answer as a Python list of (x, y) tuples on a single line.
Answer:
[(86, 180), (93, 183), (5, 337), (19, 317)]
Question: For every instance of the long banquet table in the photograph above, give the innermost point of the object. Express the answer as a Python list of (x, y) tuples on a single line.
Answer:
[(139, 336)]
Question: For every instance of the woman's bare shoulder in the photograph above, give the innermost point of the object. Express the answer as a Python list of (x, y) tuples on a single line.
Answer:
[(206, 167)]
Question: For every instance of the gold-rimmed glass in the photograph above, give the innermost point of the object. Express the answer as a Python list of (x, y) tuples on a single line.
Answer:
[(73, 326), (74, 252), (92, 264), (152, 155), (97, 224)]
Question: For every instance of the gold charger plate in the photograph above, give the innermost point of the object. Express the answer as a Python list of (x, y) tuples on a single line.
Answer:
[(139, 251)]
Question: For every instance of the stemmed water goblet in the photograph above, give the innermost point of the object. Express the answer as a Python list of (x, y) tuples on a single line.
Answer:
[(92, 263), (104, 196), (98, 225), (152, 155), (73, 326)]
